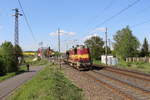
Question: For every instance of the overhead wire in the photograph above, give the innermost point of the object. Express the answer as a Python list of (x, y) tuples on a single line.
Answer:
[(117, 14), (144, 22), (27, 22), (108, 6)]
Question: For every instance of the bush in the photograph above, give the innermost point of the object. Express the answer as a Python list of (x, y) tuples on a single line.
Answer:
[(129, 64), (8, 59), (2, 68)]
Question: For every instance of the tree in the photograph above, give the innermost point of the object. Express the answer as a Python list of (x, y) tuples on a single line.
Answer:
[(18, 53), (126, 44), (2, 66), (108, 50), (144, 50), (95, 43), (8, 58)]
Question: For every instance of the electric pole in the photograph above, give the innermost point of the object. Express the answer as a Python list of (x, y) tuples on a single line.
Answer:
[(59, 48), (109, 41), (106, 51), (16, 35)]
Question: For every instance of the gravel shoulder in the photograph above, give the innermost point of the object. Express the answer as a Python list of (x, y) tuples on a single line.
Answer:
[(92, 90), (9, 85)]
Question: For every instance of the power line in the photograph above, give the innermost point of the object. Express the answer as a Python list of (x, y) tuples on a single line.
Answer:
[(104, 9), (143, 10), (140, 23), (118, 13), (26, 20)]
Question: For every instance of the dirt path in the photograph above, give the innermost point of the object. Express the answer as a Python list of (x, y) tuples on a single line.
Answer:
[(9, 85)]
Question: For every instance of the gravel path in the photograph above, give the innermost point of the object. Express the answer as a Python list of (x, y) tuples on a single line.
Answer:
[(91, 89), (9, 85)]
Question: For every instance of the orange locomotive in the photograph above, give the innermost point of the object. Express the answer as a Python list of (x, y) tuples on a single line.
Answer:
[(79, 57)]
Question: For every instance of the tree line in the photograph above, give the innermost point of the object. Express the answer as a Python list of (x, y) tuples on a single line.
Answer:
[(9, 55), (125, 45)]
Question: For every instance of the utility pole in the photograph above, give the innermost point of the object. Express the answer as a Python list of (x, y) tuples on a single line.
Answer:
[(16, 35), (109, 43), (106, 51), (59, 48)]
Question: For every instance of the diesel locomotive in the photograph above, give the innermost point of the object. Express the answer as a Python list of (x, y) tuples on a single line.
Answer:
[(79, 57)]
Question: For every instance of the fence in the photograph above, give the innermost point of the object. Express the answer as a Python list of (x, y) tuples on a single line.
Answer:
[(138, 59)]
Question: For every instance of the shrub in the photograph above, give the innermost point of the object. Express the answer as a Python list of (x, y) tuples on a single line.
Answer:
[(2, 68), (8, 60)]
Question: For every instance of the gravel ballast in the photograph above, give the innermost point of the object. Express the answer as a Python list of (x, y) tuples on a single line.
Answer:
[(91, 89)]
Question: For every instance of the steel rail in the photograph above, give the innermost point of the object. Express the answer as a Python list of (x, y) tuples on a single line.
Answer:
[(114, 89), (126, 83)]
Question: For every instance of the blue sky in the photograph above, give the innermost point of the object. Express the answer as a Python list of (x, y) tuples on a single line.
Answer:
[(72, 16)]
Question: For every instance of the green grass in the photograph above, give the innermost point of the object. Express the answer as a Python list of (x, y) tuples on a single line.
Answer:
[(48, 84), (8, 75), (23, 68), (97, 62), (39, 62), (140, 66)]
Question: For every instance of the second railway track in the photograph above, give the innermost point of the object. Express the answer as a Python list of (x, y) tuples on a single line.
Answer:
[(131, 86), (130, 73), (131, 92)]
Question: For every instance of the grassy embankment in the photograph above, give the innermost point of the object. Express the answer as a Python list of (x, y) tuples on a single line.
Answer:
[(139, 66), (23, 68), (37, 62), (48, 84)]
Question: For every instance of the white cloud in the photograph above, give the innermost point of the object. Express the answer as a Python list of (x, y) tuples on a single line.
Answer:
[(89, 36), (71, 33), (100, 29), (62, 32)]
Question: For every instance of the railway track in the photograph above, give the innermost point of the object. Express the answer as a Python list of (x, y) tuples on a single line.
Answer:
[(113, 89), (135, 74), (134, 85), (128, 91), (130, 85)]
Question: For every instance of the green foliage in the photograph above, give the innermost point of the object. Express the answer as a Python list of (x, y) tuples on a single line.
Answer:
[(139, 66), (30, 60), (145, 49), (108, 50), (18, 52), (97, 62), (9, 57), (49, 84), (95, 44), (126, 44), (39, 62), (2, 69), (8, 75), (57, 53)]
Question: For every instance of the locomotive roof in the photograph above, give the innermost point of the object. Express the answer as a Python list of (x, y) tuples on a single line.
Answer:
[(79, 46)]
